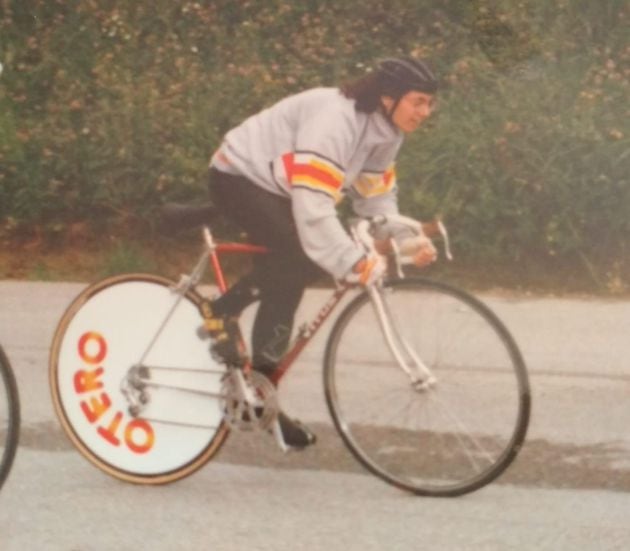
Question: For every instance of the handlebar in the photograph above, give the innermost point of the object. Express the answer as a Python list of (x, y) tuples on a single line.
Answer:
[(362, 232), (434, 228)]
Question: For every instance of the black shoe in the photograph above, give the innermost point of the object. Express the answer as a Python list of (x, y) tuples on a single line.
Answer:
[(228, 350), (227, 346), (295, 434)]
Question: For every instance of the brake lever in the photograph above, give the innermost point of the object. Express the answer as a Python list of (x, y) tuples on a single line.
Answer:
[(447, 243)]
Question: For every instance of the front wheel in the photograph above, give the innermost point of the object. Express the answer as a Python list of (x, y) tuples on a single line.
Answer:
[(134, 386), (455, 417)]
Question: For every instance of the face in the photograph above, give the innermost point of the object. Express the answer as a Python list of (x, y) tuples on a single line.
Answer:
[(411, 110)]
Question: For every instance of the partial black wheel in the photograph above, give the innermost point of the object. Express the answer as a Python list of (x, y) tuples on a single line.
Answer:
[(9, 417)]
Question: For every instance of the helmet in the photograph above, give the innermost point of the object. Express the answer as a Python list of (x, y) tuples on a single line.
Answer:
[(408, 73)]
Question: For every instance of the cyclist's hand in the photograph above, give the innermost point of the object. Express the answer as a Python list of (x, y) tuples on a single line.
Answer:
[(419, 249), (366, 271)]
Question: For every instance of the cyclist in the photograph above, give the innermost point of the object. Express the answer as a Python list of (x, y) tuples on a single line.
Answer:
[(280, 174)]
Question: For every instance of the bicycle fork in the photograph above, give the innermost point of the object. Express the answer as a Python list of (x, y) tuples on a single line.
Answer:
[(418, 372)]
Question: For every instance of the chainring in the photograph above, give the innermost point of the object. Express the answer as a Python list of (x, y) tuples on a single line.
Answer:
[(240, 414)]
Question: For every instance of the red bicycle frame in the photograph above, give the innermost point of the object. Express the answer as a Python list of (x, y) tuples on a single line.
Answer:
[(305, 333)]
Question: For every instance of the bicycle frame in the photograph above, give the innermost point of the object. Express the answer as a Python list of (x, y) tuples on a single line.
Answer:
[(306, 332), (418, 372)]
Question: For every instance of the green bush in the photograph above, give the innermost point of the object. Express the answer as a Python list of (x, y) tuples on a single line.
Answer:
[(109, 108)]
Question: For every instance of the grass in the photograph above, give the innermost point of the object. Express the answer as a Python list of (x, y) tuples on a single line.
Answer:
[(127, 257), (170, 258)]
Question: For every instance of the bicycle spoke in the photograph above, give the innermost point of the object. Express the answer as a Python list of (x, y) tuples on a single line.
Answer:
[(461, 432)]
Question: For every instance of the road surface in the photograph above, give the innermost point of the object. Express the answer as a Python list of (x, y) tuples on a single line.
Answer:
[(568, 489)]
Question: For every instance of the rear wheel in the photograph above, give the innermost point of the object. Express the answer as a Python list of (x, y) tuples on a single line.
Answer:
[(134, 386), (441, 438)]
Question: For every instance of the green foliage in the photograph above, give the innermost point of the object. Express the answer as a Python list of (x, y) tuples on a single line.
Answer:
[(109, 108), (126, 257)]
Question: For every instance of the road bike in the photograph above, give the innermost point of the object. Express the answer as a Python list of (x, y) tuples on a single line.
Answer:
[(424, 383), (9, 417)]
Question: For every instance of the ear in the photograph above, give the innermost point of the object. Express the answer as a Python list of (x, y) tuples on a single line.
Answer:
[(388, 103)]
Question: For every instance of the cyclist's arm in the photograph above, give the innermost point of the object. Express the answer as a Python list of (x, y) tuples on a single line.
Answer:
[(325, 141), (321, 233), (375, 190), (366, 207), (375, 194)]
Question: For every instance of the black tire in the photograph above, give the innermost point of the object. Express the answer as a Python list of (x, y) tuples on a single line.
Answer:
[(208, 440), (9, 417), (418, 440)]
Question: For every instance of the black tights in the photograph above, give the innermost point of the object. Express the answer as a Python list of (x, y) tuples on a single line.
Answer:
[(278, 279)]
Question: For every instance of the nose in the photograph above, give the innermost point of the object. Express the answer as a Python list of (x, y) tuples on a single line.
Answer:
[(425, 110)]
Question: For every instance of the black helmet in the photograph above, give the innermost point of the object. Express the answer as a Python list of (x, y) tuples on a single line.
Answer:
[(408, 73)]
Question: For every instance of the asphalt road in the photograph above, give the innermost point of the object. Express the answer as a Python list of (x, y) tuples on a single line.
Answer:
[(568, 489)]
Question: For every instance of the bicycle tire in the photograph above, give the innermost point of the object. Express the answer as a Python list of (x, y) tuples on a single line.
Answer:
[(9, 417), (120, 316), (481, 398)]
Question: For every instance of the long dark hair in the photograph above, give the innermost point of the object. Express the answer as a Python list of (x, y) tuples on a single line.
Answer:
[(394, 77), (368, 89)]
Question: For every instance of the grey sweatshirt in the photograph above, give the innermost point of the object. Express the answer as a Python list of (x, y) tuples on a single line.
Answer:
[(314, 148)]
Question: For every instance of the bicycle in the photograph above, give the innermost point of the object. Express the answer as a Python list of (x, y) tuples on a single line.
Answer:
[(424, 384), (9, 417)]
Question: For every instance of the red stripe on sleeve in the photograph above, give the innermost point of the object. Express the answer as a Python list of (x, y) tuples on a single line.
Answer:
[(287, 159), (317, 173)]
